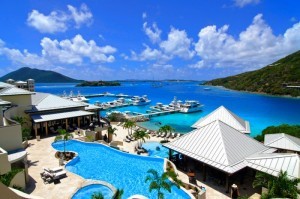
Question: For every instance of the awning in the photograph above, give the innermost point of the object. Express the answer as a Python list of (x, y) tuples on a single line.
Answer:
[(58, 116)]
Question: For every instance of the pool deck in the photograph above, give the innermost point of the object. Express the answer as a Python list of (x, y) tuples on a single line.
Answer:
[(41, 154)]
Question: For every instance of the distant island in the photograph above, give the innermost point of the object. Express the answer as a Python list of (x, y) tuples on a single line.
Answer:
[(98, 83), (279, 78), (39, 76)]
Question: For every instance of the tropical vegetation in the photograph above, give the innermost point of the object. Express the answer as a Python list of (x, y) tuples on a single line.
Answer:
[(63, 136), (271, 79), (278, 187), (119, 194), (166, 129), (161, 182), (97, 195), (129, 124), (7, 178), (117, 117), (25, 130), (98, 83), (140, 136), (111, 131), (293, 130)]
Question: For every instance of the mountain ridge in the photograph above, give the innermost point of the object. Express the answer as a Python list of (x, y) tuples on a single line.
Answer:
[(272, 79), (40, 76)]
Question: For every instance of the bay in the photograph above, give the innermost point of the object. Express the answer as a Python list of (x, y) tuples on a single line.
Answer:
[(260, 110)]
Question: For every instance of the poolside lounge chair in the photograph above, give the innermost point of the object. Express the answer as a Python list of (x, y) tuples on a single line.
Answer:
[(178, 135), (54, 176), (168, 135), (127, 140), (163, 135), (54, 170)]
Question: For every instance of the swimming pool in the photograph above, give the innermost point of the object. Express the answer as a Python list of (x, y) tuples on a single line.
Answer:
[(122, 170), (155, 149), (87, 191)]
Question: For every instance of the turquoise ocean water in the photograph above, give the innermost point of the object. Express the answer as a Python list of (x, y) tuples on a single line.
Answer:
[(260, 110)]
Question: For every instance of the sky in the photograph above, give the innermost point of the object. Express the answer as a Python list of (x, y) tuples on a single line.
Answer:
[(147, 39)]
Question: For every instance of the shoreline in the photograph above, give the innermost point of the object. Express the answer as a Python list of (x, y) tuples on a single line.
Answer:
[(257, 93)]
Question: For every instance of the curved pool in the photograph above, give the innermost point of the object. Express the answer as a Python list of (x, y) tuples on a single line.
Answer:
[(87, 191), (122, 170)]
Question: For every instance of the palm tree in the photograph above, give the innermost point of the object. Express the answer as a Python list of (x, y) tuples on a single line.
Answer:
[(141, 135), (119, 194), (161, 182), (97, 195), (279, 187), (110, 133), (129, 124), (166, 129), (64, 136)]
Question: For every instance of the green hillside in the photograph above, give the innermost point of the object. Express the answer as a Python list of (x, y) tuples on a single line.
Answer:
[(40, 76), (271, 79)]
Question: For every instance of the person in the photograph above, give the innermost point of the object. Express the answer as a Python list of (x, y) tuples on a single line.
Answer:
[(234, 191)]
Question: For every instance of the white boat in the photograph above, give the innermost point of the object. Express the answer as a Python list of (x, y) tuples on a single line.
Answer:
[(78, 98), (207, 89), (175, 104), (190, 106), (140, 101)]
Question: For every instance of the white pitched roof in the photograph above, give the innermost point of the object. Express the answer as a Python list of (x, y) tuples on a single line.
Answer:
[(273, 163), (5, 85), (58, 116), (45, 101), (90, 106), (8, 91), (282, 141), (225, 116), (218, 145)]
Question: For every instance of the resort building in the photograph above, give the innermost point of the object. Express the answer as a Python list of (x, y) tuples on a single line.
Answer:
[(45, 113), (283, 142), (27, 85), (225, 116), (223, 148), (220, 146), (12, 153)]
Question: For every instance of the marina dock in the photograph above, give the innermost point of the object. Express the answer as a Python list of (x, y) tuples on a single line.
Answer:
[(153, 114)]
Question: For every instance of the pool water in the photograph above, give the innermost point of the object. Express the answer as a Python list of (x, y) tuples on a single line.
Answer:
[(152, 148), (122, 170), (87, 191)]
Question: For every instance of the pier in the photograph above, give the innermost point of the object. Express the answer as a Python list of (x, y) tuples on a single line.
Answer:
[(153, 114)]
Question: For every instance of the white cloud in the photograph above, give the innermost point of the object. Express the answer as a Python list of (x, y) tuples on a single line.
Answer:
[(178, 44), (153, 32), (54, 22), (200, 64), (149, 54), (242, 3), (254, 48), (81, 16), (144, 15), (56, 53), (25, 58), (59, 21), (75, 50)]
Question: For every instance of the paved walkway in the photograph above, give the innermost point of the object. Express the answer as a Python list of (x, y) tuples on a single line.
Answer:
[(40, 155)]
